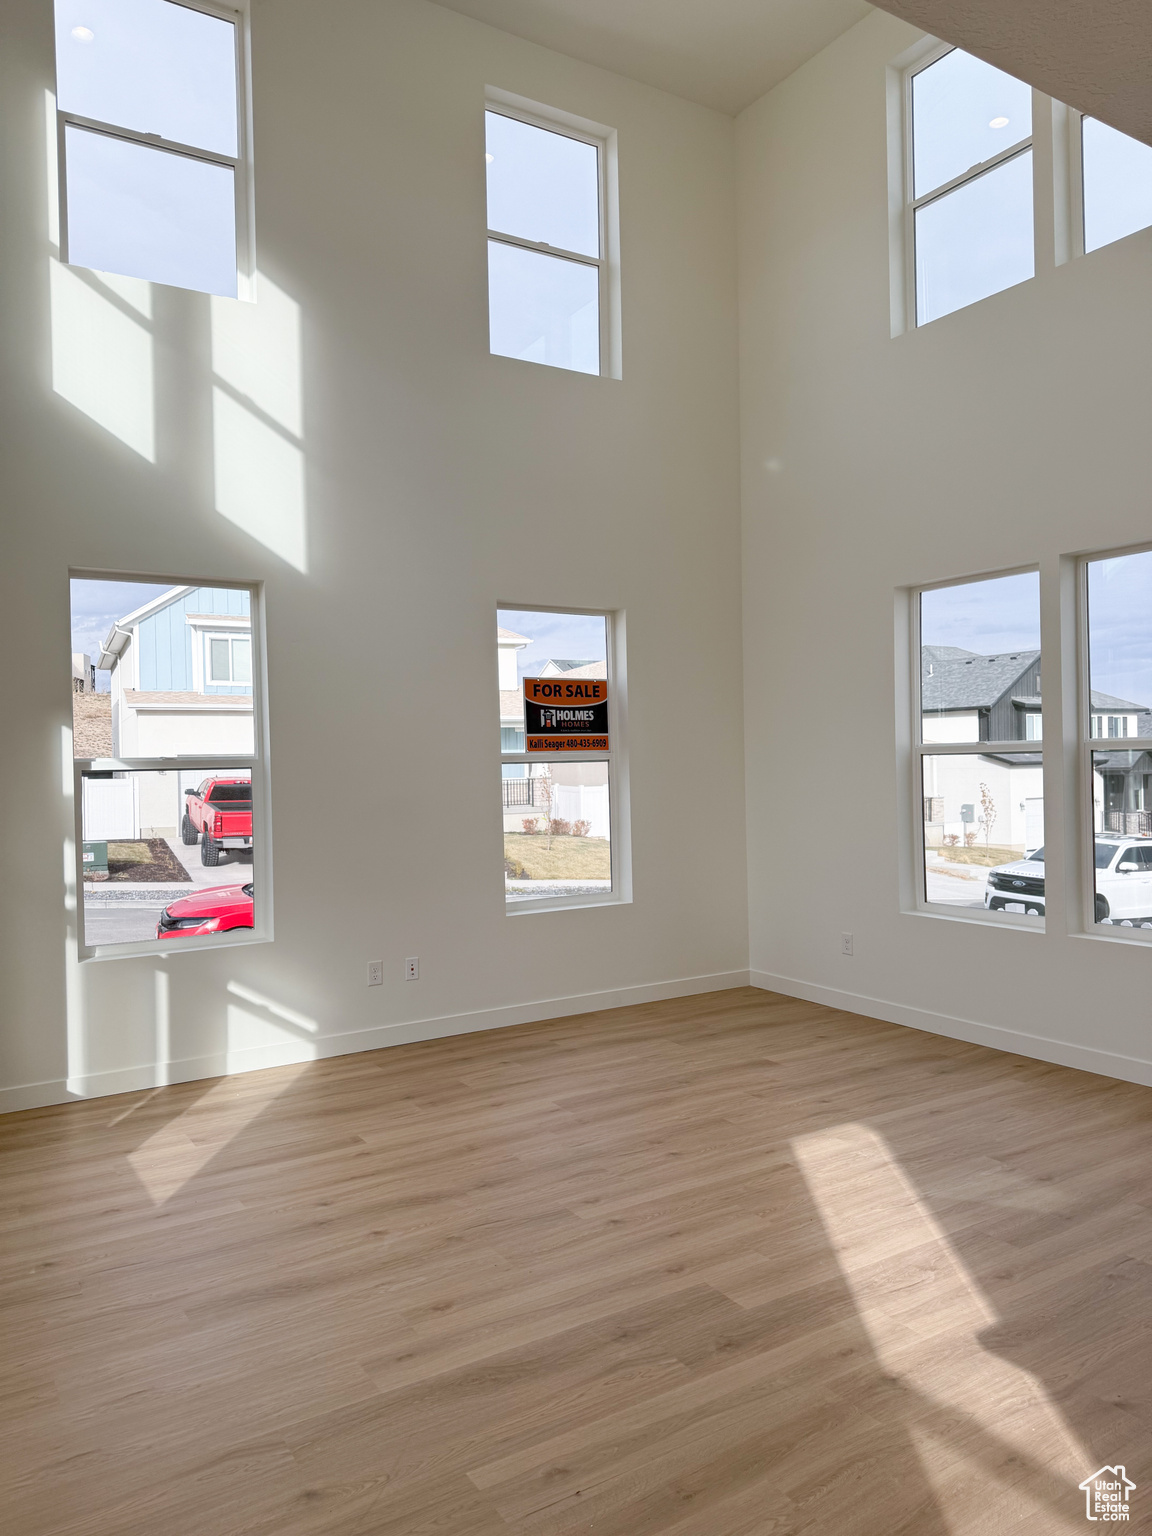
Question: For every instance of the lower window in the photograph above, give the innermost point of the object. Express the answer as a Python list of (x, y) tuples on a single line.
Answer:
[(984, 831), (557, 832), (166, 854), (1122, 816)]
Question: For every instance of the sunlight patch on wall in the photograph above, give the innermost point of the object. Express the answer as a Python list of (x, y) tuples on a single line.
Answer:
[(257, 410), (259, 479), (968, 1411), (101, 348), (101, 360)]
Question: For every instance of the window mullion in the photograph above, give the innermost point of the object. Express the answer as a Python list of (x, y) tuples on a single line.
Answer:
[(972, 173), (545, 249), (148, 140)]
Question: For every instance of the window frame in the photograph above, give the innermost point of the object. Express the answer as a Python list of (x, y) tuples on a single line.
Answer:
[(1087, 746), (606, 264), (255, 762), (925, 56), (619, 841), (241, 164), (920, 749)]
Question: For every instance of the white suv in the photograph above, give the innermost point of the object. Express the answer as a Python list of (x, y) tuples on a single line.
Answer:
[(1123, 882)]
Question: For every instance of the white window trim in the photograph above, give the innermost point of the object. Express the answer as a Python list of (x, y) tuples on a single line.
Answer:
[(902, 200), (241, 163), (607, 264), (1087, 745), (917, 901), (255, 762), (620, 839)]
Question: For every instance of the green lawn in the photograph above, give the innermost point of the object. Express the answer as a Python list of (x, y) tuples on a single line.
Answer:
[(978, 854), (569, 858)]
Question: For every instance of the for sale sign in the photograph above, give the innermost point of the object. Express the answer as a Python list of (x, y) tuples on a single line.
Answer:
[(565, 714)]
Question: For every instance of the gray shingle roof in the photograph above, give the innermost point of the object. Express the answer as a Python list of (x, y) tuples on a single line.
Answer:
[(956, 679)]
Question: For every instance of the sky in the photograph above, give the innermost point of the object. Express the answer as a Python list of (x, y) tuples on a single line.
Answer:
[(555, 636), (984, 616), (1003, 614), (1120, 627), (96, 605)]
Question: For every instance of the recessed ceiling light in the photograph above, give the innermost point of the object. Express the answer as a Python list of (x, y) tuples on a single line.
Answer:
[(83, 34), (998, 122), (489, 158)]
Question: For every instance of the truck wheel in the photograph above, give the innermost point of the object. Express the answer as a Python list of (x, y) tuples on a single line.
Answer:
[(209, 852), (1101, 909), (188, 833)]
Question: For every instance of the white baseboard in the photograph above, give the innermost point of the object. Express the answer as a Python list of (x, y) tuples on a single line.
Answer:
[(225, 1063), (1061, 1053)]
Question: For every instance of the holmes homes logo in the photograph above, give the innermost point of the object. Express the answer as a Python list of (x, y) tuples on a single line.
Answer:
[(1107, 1492)]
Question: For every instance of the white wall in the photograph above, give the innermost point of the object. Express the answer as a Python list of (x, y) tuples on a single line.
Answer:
[(417, 483), (1010, 432)]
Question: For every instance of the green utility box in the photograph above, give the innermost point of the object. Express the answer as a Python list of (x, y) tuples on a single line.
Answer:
[(95, 861)]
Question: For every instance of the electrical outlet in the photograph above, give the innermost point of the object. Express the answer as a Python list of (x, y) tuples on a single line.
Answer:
[(412, 968), (375, 973), (845, 943)]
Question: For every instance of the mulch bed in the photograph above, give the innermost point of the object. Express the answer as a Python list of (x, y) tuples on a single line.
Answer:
[(161, 867)]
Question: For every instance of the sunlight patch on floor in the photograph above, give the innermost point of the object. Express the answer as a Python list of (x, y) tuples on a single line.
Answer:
[(179, 1150), (995, 1451)]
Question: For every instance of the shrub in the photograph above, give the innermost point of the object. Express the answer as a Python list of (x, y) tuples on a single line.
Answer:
[(514, 869), (530, 823), (969, 839), (581, 828), (951, 839), (560, 827)]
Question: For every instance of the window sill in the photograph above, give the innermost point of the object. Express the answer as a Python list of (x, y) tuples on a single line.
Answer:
[(1011, 922), (573, 903)]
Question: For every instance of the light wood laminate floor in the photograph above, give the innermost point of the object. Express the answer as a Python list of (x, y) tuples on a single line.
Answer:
[(732, 1265)]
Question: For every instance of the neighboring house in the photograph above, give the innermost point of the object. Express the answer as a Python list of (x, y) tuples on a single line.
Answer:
[(578, 791), (979, 698), (967, 697), (83, 673), (181, 686)]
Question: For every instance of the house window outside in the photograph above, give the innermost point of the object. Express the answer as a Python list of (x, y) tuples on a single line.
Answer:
[(546, 242), (982, 792), (969, 178), (230, 659), (1116, 173), (152, 130), (170, 770), (1118, 636), (562, 810)]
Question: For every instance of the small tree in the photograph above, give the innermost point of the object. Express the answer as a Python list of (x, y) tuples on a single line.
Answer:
[(988, 805), (542, 796)]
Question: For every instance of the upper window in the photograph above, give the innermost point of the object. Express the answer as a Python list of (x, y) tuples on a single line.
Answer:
[(153, 182), (979, 766), (558, 772), (1117, 181), (170, 777), (546, 265), (970, 183)]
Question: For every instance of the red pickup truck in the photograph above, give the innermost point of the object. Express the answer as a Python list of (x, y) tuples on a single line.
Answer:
[(219, 814)]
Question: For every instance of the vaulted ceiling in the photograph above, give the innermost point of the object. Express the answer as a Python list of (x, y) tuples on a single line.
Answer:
[(1092, 54), (723, 53)]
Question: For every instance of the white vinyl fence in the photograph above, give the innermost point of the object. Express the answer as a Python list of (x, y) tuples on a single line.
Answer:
[(111, 810), (582, 802)]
